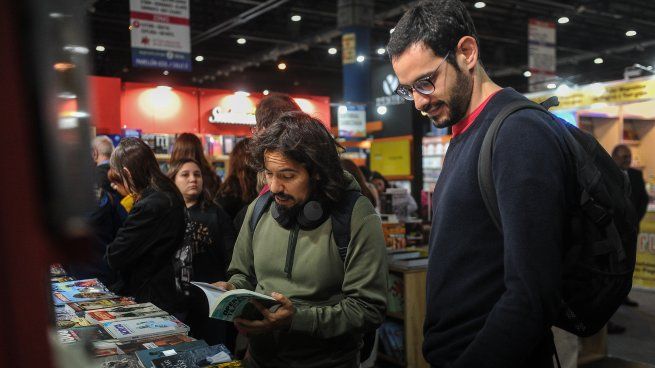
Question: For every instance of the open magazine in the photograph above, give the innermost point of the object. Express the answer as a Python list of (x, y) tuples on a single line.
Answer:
[(228, 305)]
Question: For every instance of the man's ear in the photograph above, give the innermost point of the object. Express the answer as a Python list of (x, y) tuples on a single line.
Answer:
[(467, 53)]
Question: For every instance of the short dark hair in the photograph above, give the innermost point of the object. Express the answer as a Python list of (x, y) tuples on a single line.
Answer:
[(271, 107), (305, 140), (439, 24)]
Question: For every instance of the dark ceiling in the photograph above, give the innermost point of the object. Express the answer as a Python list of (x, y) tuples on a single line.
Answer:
[(596, 29)]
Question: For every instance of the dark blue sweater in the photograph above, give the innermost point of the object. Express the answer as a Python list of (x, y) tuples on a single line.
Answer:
[(491, 297)]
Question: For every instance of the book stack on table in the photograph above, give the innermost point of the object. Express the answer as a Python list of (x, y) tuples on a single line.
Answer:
[(122, 333)]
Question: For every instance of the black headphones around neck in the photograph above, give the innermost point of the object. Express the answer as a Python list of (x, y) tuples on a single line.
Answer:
[(310, 216)]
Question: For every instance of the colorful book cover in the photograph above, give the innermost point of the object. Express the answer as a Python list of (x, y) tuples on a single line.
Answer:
[(146, 357), (153, 343), (227, 305), (395, 294), (201, 357), (73, 322), (62, 279), (56, 269), (100, 304), (91, 333), (124, 312), (133, 329), (80, 291)]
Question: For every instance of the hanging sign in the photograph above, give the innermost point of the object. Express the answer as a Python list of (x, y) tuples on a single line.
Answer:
[(160, 35), (542, 59)]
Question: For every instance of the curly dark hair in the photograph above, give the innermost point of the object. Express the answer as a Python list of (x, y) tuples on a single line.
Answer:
[(241, 180), (305, 140), (439, 24)]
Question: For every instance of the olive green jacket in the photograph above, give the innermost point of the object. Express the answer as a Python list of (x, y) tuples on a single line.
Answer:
[(335, 301)]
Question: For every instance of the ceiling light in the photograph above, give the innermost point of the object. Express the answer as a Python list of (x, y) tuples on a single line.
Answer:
[(563, 20), (361, 58), (527, 74), (75, 49), (381, 51), (598, 60), (241, 41), (342, 109), (166, 72), (281, 66), (296, 18), (332, 50), (200, 58), (266, 92), (56, 15), (242, 93), (163, 88), (67, 95), (100, 48), (382, 110), (391, 30), (479, 5), (64, 66), (631, 33), (551, 86)]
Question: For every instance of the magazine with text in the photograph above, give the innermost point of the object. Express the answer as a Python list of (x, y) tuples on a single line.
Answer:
[(133, 329), (124, 312), (80, 291), (227, 305)]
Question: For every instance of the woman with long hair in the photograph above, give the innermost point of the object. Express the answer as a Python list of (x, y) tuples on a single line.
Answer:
[(240, 186), (144, 246), (188, 145), (214, 238)]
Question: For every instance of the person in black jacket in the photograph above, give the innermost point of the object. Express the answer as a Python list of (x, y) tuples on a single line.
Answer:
[(492, 296), (144, 246), (215, 238)]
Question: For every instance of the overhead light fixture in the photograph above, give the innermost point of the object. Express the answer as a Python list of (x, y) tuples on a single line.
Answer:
[(56, 15), (631, 33), (242, 93), (63, 66), (67, 95), (296, 18), (360, 58), (551, 86), (100, 48), (479, 5), (342, 109), (391, 30), (527, 74), (200, 58), (382, 110), (563, 20), (166, 72), (75, 49), (266, 92), (381, 51), (332, 50), (164, 88), (281, 66), (241, 41), (598, 60)]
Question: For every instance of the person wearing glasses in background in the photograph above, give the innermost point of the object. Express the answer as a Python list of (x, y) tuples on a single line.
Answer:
[(491, 296)]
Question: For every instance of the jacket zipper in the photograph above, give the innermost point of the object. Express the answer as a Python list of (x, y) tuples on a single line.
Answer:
[(291, 249)]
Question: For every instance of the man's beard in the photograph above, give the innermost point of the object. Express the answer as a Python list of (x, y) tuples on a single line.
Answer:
[(460, 98), (291, 211)]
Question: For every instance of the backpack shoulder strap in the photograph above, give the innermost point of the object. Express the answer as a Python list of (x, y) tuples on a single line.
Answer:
[(341, 216), (263, 202), (485, 176)]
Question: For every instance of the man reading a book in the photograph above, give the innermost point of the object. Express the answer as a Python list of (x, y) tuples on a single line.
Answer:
[(327, 300)]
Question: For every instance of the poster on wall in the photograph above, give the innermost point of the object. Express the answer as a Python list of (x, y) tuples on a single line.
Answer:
[(644, 276), (542, 59), (351, 121), (392, 157), (160, 36)]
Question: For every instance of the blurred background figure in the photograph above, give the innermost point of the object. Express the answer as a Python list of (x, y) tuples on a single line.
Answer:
[(188, 145), (101, 149), (215, 237), (240, 186), (372, 195), (402, 203), (143, 249)]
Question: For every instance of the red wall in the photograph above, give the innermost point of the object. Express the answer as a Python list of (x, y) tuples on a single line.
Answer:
[(117, 106)]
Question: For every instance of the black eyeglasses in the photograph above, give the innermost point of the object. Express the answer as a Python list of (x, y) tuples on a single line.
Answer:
[(424, 86)]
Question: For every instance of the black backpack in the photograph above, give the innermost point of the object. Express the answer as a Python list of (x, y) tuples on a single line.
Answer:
[(340, 216), (600, 244)]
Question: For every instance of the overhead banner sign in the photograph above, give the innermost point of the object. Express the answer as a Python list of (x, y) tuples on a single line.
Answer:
[(352, 122), (542, 58), (160, 34), (600, 93)]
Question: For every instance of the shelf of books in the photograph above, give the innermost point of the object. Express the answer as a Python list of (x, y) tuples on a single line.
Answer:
[(401, 335), (118, 332), (433, 153)]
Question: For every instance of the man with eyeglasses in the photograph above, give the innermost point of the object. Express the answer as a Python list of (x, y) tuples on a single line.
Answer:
[(491, 296)]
